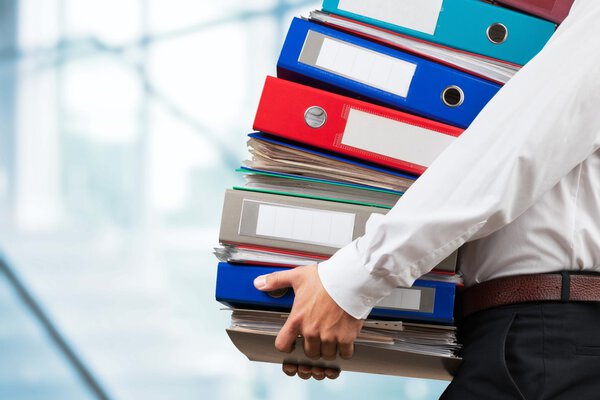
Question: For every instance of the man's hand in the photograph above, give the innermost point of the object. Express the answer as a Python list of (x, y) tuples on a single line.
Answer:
[(326, 328)]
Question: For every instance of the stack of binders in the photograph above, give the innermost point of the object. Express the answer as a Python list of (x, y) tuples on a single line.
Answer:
[(367, 95)]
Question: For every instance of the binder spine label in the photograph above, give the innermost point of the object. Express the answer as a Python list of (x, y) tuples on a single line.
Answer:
[(297, 224), (357, 63), (410, 299), (418, 15), (395, 139)]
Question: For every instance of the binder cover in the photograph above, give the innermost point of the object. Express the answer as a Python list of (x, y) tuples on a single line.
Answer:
[(495, 70), (369, 359), (470, 25), (552, 10), (296, 224), (351, 127), (320, 56), (430, 301), (291, 223)]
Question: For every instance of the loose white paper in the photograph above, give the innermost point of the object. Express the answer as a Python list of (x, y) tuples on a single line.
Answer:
[(366, 66), (418, 15), (394, 139), (326, 228), (402, 298)]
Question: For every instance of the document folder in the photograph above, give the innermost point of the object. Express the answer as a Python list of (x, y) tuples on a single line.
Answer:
[(495, 70), (320, 189), (332, 60), (272, 154), (471, 25), (552, 10), (291, 223), (351, 127), (431, 301), (369, 359), (296, 224)]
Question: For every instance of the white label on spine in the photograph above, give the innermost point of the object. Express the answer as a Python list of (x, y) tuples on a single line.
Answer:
[(366, 66), (394, 139), (418, 15), (325, 228), (401, 298)]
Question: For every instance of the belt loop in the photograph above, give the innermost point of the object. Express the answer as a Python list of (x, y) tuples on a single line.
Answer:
[(565, 292)]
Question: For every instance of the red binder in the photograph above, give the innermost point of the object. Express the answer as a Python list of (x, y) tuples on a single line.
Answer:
[(351, 127), (552, 10)]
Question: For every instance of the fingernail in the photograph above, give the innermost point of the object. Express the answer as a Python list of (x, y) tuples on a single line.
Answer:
[(331, 374), (260, 282), (289, 369)]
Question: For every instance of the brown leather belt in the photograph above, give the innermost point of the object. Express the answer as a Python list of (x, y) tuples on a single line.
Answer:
[(562, 286)]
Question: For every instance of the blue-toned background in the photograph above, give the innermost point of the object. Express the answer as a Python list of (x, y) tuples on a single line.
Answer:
[(121, 122)]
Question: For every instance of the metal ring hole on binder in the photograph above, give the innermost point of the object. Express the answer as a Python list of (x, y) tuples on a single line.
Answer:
[(315, 117), (453, 96), (497, 33), (278, 293)]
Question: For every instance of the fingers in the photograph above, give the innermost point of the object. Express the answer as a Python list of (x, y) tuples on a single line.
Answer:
[(276, 280), (287, 336), (290, 369), (332, 373), (306, 372), (346, 349), (318, 373), (312, 347), (328, 349)]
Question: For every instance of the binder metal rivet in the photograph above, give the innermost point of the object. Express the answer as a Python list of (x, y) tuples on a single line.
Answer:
[(315, 117), (497, 33), (278, 293), (453, 96)]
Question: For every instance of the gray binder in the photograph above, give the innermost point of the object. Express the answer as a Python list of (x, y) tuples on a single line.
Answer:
[(296, 224), (370, 359)]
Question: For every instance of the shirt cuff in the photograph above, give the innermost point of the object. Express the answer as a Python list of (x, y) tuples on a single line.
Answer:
[(350, 284)]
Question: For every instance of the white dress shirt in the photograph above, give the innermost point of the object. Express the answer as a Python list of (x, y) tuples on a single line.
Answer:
[(520, 188)]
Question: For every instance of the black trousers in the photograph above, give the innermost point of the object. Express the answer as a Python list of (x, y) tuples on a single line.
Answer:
[(530, 351)]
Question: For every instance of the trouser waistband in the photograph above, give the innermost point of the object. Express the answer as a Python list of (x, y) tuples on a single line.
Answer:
[(561, 286)]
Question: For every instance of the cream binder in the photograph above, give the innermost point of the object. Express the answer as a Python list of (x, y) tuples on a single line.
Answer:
[(291, 223), (296, 224)]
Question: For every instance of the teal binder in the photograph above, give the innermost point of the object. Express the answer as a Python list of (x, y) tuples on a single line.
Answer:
[(469, 25)]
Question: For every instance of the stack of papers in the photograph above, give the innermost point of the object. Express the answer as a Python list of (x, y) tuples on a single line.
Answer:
[(383, 347), (274, 157), (435, 340)]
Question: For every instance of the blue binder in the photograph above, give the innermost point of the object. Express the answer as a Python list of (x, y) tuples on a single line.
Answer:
[(235, 288), (332, 60), (463, 24)]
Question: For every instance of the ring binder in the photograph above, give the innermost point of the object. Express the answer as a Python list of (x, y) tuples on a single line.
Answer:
[(431, 301), (335, 61), (528, 34), (356, 128)]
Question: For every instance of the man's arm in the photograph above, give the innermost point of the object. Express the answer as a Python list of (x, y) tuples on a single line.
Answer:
[(540, 126)]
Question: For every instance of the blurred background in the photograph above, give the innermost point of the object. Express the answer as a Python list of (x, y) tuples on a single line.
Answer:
[(121, 122)]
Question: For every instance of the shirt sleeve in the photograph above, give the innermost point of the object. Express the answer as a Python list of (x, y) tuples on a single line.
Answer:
[(539, 126)]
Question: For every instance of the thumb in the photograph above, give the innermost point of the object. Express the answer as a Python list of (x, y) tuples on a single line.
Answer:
[(276, 280)]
